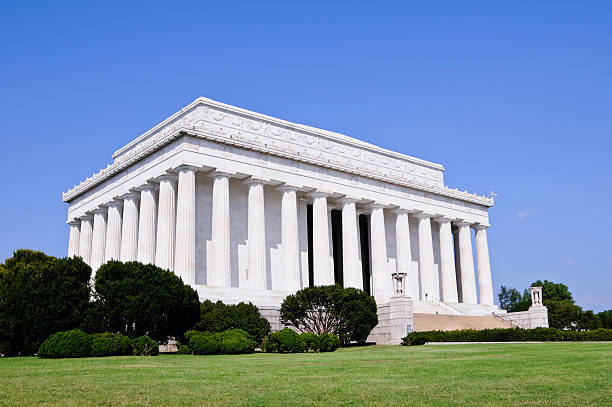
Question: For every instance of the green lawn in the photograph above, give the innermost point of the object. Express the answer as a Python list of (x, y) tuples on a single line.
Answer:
[(548, 374)]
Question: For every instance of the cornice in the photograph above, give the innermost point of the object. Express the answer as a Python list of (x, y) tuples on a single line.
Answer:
[(192, 124)]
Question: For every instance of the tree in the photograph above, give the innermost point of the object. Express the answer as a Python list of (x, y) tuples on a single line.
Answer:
[(511, 299), (554, 291), (141, 299), (562, 314), (219, 317), (40, 295), (349, 313), (605, 319)]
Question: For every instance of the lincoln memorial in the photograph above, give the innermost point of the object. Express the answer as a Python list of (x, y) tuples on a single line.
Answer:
[(248, 207)]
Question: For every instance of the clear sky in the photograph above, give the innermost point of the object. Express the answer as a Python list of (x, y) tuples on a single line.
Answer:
[(511, 97)]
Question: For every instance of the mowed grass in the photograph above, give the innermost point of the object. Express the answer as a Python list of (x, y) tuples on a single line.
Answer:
[(541, 374)]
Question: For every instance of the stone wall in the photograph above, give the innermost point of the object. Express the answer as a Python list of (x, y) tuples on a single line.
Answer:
[(395, 321), (535, 317)]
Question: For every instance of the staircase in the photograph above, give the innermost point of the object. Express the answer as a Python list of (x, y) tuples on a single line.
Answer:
[(440, 322)]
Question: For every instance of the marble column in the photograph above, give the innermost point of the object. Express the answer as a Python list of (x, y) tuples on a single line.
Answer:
[(113, 232), (146, 225), (381, 279), (485, 285), (353, 276), (404, 254), (75, 237), (256, 235), (184, 263), (447, 261), (323, 271), (466, 260), (219, 275), (129, 229), (166, 222), (290, 240), (429, 280), (98, 239), (85, 238)]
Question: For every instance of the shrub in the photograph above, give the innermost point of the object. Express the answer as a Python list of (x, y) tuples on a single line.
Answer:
[(230, 342), (219, 317), (349, 313), (141, 299), (328, 342), (311, 341), (284, 341), (108, 344), (66, 344), (506, 335), (145, 346), (39, 296)]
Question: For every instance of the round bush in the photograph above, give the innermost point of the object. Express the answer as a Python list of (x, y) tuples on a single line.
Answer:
[(202, 343), (311, 341), (328, 342), (66, 344), (234, 342), (285, 341), (145, 346), (108, 344)]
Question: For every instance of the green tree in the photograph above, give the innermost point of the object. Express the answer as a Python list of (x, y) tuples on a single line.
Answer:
[(349, 313), (562, 314), (554, 291), (141, 299), (40, 295), (605, 319), (219, 317), (512, 300)]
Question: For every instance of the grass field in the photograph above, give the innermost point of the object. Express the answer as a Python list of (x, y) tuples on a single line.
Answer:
[(547, 374)]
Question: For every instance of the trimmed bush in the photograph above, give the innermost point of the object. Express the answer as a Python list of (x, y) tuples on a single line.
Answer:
[(506, 335), (220, 317), (328, 342), (66, 344), (311, 341), (285, 341), (107, 344), (145, 346), (230, 342)]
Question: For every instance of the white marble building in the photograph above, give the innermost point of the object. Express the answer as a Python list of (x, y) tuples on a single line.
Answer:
[(247, 207)]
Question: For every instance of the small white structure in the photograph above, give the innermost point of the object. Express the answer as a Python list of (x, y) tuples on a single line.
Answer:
[(247, 207)]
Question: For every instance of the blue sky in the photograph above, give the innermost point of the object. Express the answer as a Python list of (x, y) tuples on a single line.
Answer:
[(512, 97)]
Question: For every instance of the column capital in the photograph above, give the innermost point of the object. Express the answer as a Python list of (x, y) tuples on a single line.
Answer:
[(253, 180), (221, 173), (103, 210), (186, 167), (422, 215), (133, 194), (461, 223), (87, 216), (480, 226), (167, 176), (443, 220), (318, 193), (376, 205), (347, 199), (149, 186), (288, 187), (402, 211), (114, 203), (74, 222)]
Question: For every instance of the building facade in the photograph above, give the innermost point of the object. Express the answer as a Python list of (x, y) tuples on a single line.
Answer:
[(247, 207)]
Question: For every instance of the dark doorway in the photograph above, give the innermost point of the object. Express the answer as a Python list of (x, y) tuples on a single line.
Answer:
[(310, 248), (336, 224), (364, 236), (457, 263)]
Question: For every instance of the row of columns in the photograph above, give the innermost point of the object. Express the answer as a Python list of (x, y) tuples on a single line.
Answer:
[(162, 232)]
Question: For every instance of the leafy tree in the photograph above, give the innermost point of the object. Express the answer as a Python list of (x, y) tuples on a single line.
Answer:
[(40, 295), (562, 314), (141, 299), (349, 313), (554, 291), (512, 300), (605, 319), (219, 317)]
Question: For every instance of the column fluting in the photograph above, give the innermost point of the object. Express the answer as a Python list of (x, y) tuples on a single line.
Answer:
[(98, 240), (447, 261), (485, 284), (404, 254), (256, 231), (290, 240), (113, 232), (185, 225), (74, 239), (129, 229), (429, 280), (353, 276), (85, 238), (146, 225), (166, 214), (466, 260), (381, 279), (323, 271), (219, 275)]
